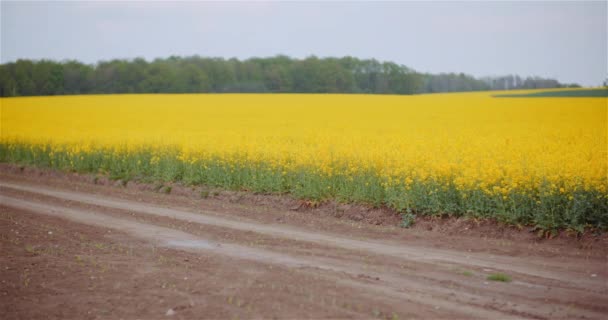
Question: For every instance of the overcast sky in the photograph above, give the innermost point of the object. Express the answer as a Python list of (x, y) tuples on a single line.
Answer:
[(564, 40)]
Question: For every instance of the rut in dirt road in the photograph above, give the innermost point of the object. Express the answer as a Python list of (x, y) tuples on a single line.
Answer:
[(540, 289)]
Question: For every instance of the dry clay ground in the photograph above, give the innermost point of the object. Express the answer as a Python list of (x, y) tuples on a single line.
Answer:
[(73, 246)]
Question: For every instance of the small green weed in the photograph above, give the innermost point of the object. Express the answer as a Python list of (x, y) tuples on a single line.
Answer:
[(499, 277), (408, 220)]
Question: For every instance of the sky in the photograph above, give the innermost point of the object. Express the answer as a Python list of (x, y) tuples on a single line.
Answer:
[(562, 40)]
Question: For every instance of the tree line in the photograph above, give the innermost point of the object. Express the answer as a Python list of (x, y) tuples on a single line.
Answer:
[(279, 74)]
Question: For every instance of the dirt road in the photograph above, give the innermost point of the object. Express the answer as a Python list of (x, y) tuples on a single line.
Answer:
[(75, 249)]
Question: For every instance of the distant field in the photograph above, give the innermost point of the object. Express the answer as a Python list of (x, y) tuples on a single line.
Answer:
[(534, 161), (560, 93)]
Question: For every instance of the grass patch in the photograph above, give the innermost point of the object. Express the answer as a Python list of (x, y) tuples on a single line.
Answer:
[(501, 277)]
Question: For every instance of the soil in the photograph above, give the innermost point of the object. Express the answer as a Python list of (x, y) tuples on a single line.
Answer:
[(80, 246)]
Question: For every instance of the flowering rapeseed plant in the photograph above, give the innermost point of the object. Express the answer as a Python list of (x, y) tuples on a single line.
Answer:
[(526, 160)]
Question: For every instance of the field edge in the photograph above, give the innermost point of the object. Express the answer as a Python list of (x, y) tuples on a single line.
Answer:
[(356, 213)]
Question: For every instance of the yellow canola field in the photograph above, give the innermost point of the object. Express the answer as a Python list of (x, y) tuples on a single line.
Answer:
[(473, 139)]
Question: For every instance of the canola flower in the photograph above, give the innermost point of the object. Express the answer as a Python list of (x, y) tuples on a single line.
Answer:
[(535, 160)]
